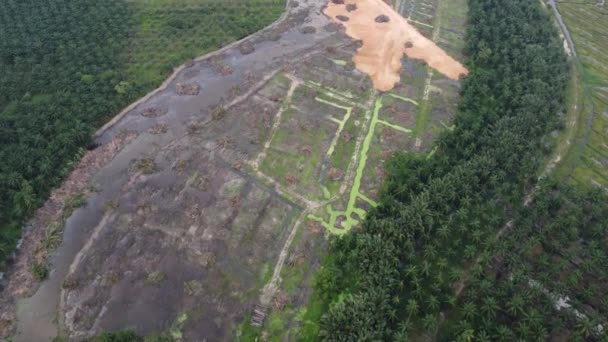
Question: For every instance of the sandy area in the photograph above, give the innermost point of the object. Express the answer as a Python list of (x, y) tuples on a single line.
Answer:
[(385, 43)]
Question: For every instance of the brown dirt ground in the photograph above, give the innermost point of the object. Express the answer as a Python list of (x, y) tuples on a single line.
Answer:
[(384, 43)]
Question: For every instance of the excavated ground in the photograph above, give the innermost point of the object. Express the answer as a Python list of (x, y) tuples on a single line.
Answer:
[(235, 172)]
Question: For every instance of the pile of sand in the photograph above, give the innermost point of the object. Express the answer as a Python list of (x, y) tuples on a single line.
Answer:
[(385, 41)]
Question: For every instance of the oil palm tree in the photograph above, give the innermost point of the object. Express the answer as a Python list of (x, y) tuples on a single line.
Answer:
[(483, 336), (469, 310), (429, 322), (503, 333), (466, 336), (489, 307), (516, 305), (433, 303), (585, 328), (442, 263)]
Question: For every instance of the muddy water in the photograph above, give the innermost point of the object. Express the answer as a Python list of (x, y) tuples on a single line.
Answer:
[(38, 317)]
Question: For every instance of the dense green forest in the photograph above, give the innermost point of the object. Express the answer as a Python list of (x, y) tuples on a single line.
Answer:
[(555, 253), (452, 252), (66, 67)]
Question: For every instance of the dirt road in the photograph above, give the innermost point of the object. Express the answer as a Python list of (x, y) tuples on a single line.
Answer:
[(563, 27)]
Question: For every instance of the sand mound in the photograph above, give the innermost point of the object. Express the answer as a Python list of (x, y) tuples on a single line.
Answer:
[(384, 43)]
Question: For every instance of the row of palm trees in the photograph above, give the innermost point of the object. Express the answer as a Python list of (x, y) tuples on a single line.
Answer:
[(537, 278), (430, 259)]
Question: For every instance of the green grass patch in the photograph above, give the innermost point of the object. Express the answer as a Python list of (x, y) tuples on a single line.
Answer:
[(585, 161)]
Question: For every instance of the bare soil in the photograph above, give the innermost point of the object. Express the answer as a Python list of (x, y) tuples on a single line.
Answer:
[(384, 42), (200, 215)]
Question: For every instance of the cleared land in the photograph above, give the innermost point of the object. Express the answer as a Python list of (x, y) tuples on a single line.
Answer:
[(359, 129), (210, 219), (386, 36)]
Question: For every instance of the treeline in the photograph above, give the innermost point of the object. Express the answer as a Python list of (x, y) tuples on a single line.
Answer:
[(403, 275), (66, 66), (59, 64)]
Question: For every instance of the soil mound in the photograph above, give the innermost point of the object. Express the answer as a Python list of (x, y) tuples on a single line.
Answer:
[(342, 18), (382, 19), (187, 89), (246, 48)]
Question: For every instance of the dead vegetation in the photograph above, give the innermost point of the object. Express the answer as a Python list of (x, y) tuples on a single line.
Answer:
[(388, 134), (187, 89), (155, 278), (146, 166), (193, 287), (52, 237), (386, 154), (273, 36), (280, 301), (202, 182), (153, 112), (276, 97), (335, 174), (110, 205), (339, 221), (346, 136), (250, 77), (225, 70), (234, 91), (48, 222), (314, 226), (291, 179), (296, 259), (306, 151), (160, 128), (246, 48), (382, 19), (143, 209), (224, 143), (193, 127), (259, 315), (180, 165), (308, 30), (218, 113), (206, 259), (235, 202), (110, 278), (70, 282), (342, 18)]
